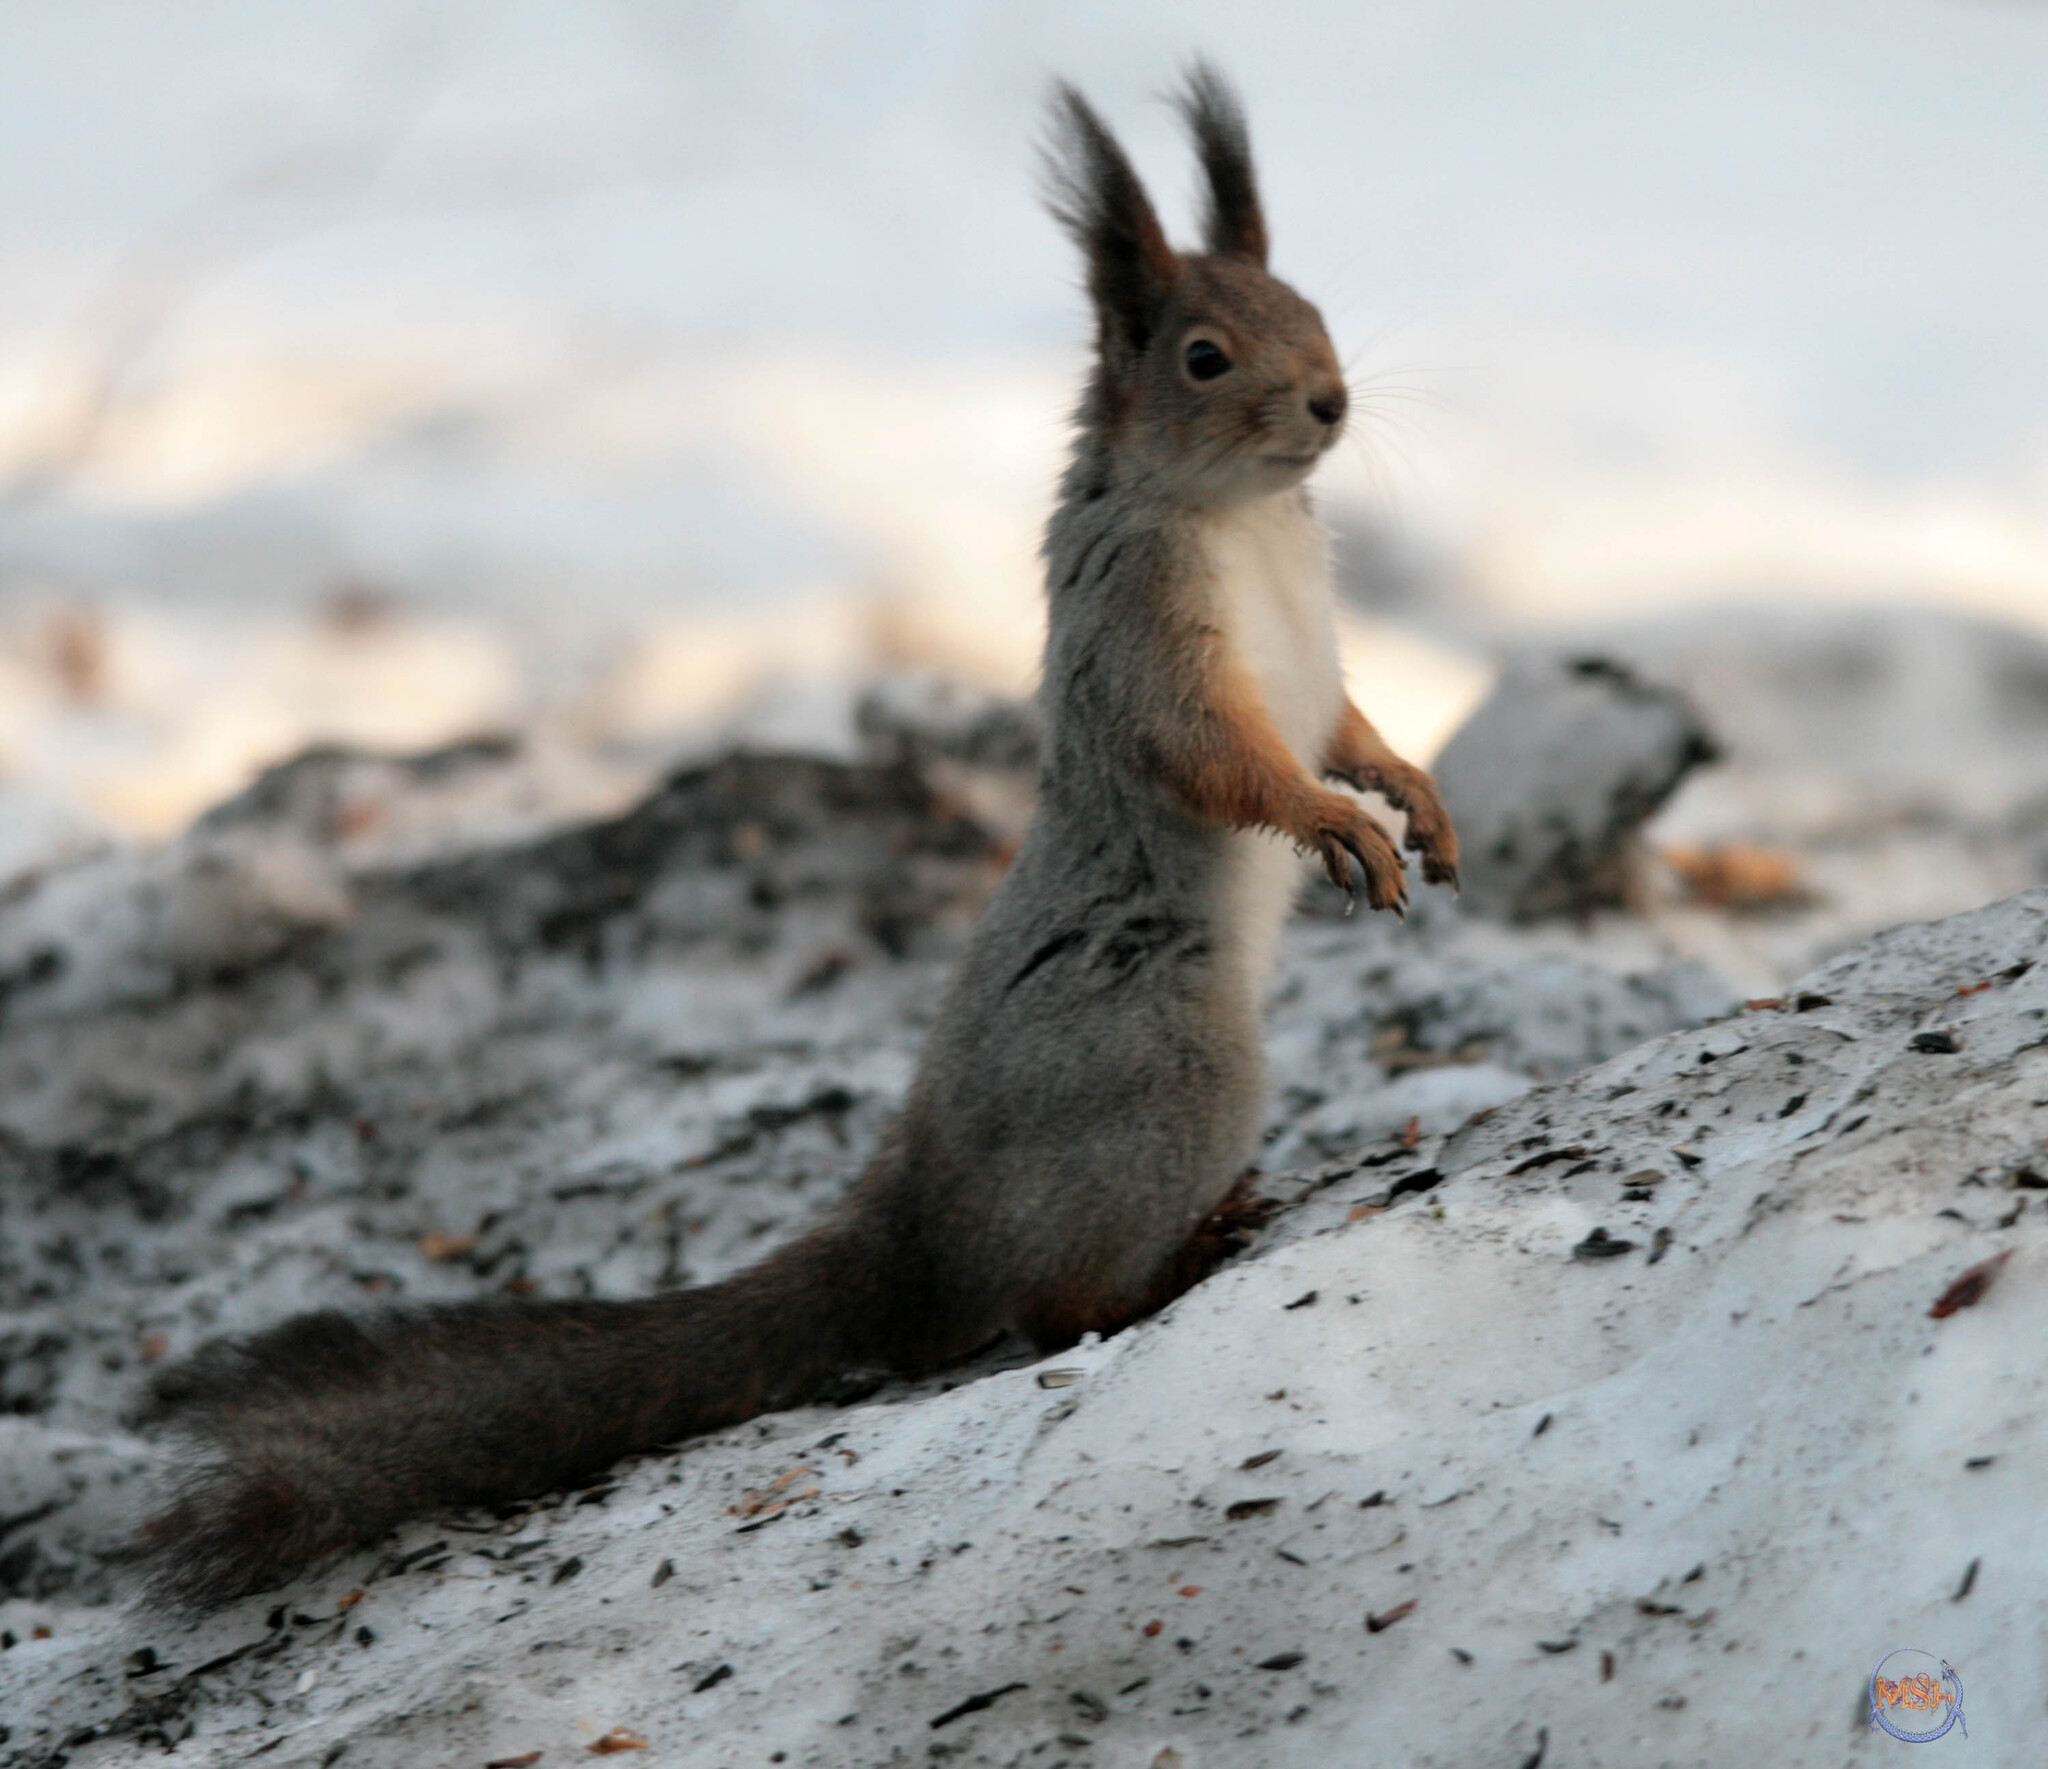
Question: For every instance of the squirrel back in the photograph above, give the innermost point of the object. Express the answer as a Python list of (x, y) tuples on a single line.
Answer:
[(1093, 1086)]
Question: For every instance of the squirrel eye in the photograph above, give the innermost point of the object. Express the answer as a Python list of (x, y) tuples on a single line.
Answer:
[(1205, 361)]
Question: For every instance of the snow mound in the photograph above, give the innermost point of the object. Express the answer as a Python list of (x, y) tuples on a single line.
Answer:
[(1610, 1426)]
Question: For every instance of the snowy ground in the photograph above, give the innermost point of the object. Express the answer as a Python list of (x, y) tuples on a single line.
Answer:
[(1665, 1505), (392, 381)]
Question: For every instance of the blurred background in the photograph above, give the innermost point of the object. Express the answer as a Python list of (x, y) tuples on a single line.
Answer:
[(634, 374)]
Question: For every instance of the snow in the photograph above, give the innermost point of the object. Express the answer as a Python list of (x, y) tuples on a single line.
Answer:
[(1669, 1505)]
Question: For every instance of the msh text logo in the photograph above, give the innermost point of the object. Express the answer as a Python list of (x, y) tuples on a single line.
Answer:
[(1915, 1696)]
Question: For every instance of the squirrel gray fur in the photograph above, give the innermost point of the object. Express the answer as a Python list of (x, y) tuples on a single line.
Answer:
[(1093, 1086)]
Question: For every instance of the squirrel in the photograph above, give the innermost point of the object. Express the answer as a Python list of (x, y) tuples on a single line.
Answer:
[(1092, 1087)]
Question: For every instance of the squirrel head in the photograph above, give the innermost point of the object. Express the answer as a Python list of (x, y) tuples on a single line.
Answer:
[(1214, 381)]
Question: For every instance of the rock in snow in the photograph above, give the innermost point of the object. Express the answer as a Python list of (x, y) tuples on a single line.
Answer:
[(1549, 781), (1581, 1405)]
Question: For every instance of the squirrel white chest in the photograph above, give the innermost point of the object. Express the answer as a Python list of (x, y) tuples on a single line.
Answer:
[(1270, 564), (1270, 569)]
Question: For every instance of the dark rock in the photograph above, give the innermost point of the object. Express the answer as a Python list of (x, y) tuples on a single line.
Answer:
[(719, 850), (921, 719), (309, 794)]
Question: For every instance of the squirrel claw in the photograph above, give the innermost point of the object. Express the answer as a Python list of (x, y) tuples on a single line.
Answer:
[(1383, 890), (1337, 864), (1430, 835)]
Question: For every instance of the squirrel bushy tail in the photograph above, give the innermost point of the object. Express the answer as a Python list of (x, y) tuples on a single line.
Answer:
[(330, 1429)]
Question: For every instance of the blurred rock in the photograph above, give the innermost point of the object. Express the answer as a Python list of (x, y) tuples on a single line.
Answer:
[(333, 792), (1549, 781), (741, 854), (976, 748), (379, 810), (923, 718), (732, 852), (121, 927)]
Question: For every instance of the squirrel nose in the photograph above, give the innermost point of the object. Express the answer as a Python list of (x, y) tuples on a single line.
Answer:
[(1328, 408)]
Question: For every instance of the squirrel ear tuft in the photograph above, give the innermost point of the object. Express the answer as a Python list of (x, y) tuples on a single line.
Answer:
[(1233, 224), (1095, 195)]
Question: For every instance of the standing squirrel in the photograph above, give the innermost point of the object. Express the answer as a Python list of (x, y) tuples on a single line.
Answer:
[(1092, 1087)]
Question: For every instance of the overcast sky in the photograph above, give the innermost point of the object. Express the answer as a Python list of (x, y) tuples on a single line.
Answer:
[(1809, 239)]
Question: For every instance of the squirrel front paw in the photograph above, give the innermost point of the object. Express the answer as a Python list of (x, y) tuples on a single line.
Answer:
[(1341, 834), (1429, 831), (1413, 792)]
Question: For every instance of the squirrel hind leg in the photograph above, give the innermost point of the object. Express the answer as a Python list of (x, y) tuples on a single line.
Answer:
[(1056, 1316), (1220, 1236)]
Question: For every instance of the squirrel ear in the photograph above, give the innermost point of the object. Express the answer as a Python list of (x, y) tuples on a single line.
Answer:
[(1095, 195), (1233, 224)]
